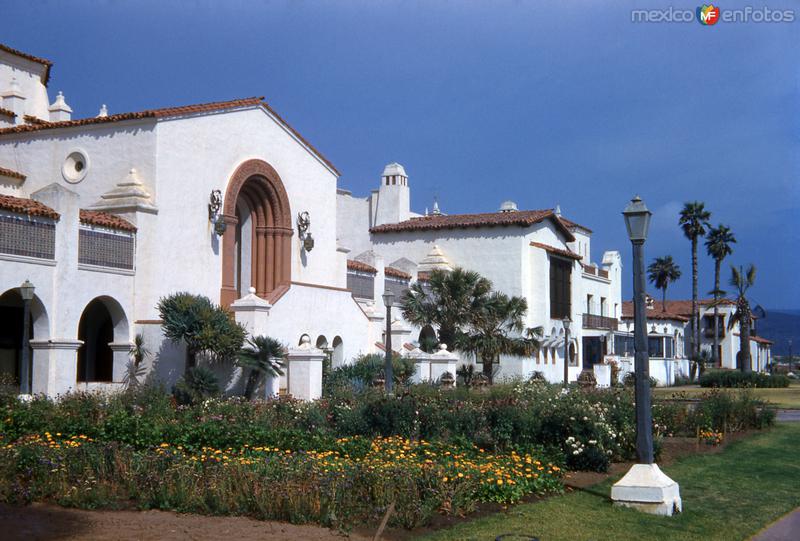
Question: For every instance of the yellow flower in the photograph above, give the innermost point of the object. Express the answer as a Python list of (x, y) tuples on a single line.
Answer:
[(499, 481)]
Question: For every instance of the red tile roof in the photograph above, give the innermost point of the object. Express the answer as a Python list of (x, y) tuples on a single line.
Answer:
[(396, 273), (104, 219), (677, 310), (423, 276), (354, 265), (166, 113), (30, 207), (46, 63), (523, 218), (6, 112), (557, 251), (35, 120), (758, 339), (9, 173), (570, 224)]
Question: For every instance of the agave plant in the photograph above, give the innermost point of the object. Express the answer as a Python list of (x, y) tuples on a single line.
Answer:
[(262, 355)]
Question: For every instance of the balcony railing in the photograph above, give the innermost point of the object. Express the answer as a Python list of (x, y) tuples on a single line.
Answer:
[(592, 321)]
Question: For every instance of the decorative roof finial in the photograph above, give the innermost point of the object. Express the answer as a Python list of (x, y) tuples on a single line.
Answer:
[(103, 111), (557, 211), (436, 211)]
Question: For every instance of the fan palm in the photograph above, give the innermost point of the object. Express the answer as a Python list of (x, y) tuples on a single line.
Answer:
[(743, 280), (718, 246), (447, 302), (262, 355), (694, 222), (662, 272), (135, 371), (496, 328)]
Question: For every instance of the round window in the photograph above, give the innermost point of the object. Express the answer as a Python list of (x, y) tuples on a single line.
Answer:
[(75, 167)]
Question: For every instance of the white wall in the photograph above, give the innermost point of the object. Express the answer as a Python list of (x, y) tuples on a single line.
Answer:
[(28, 75)]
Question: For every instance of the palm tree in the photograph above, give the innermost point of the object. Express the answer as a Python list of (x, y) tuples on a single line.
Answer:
[(262, 356), (743, 281), (495, 329), (447, 302), (718, 246), (662, 272), (694, 222)]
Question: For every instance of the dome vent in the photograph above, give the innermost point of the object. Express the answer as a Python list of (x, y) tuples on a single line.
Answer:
[(508, 206)]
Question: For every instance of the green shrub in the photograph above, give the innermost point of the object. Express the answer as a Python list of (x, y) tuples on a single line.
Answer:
[(737, 378), (630, 380)]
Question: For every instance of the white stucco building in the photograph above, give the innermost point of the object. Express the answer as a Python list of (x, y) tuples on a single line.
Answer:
[(106, 215)]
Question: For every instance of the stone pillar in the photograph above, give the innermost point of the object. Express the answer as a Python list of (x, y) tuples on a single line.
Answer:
[(55, 366), (443, 361), (304, 371), (122, 356), (422, 365), (252, 312), (272, 386)]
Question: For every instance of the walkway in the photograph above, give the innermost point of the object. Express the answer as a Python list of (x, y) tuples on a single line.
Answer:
[(786, 529)]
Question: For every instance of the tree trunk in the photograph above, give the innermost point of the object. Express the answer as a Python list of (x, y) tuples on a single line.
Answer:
[(252, 382), (487, 367), (715, 353), (744, 335), (664, 299), (191, 360), (695, 315)]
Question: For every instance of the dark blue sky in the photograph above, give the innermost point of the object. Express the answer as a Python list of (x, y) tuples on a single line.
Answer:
[(543, 104)]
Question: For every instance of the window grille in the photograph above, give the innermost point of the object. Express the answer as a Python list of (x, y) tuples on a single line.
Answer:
[(106, 248), (29, 236), (398, 286), (362, 284)]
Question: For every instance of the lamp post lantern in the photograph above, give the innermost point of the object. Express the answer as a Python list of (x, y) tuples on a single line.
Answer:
[(26, 292), (645, 486), (637, 220), (388, 300), (566, 322)]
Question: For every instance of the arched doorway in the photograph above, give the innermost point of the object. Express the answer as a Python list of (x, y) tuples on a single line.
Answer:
[(256, 247), (337, 358), (11, 329), (427, 339), (102, 324)]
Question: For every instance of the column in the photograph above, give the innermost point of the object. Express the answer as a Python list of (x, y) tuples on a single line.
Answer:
[(304, 371), (55, 366)]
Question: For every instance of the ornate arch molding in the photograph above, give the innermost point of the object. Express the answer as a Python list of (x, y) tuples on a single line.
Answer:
[(261, 186)]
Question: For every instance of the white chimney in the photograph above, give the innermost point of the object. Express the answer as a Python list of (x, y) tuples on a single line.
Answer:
[(508, 206), (103, 111), (14, 101), (59, 110)]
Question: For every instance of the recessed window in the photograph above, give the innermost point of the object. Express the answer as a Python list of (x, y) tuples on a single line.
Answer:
[(75, 167)]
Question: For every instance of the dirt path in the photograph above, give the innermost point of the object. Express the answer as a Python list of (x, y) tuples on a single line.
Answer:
[(40, 522)]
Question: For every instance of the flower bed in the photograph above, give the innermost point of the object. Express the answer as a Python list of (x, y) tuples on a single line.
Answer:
[(352, 483)]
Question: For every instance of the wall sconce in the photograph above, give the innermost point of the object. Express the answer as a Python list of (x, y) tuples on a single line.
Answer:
[(303, 226), (214, 209)]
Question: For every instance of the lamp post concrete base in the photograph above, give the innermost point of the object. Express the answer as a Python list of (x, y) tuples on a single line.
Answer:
[(646, 488)]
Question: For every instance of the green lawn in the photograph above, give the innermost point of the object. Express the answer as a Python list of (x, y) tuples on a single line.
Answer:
[(788, 397), (727, 496)]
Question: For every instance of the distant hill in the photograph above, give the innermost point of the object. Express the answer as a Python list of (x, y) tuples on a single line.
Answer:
[(779, 326)]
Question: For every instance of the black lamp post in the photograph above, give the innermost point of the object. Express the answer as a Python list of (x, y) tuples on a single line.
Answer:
[(388, 300), (637, 220), (566, 322), (26, 292)]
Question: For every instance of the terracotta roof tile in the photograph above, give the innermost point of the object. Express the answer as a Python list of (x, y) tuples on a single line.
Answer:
[(166, 113), (46, 63), (523, 218), (396, 273), (30, 207), (104, 219), (6, 112), (570, 224), (423, 276), (9, 173), (677, 310), (557, 251), (35, 120), (354, 265)]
